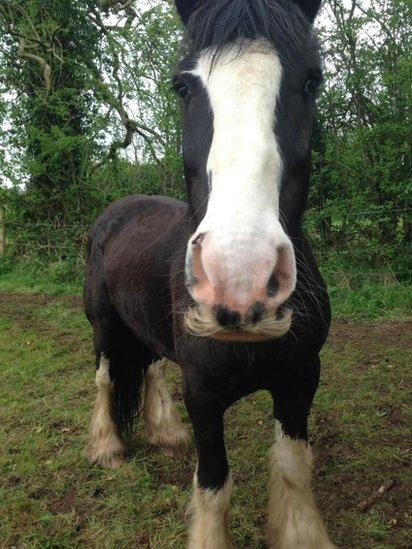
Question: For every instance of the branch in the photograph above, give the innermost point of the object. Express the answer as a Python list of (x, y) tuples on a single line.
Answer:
[(131, 126), (13, 3), (372, 13), (130, 130), (123, 6), (117, 102), (21, 52), (117, 5), (367, 503), (44, 45)]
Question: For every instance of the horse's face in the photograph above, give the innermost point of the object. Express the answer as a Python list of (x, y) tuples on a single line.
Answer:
[(246, 132)]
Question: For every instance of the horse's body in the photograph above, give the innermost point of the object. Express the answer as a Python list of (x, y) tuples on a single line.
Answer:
[(137, 252), (150, 296)]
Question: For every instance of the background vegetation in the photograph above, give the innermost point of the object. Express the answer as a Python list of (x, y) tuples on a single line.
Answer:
[(87, 116)]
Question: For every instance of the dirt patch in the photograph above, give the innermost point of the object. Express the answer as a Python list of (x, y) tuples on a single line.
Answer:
[(13, 480), (365, 334), (64, 504), (21, 308), (27, 299)]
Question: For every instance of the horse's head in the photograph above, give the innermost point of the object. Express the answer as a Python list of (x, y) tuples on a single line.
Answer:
[(247, 85)]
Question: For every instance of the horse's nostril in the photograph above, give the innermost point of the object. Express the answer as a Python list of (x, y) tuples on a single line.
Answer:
[(199, 239), (227, 318), (255, 313), (272, 286)]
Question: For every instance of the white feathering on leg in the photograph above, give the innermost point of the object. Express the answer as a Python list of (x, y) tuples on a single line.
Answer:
[(294, 521), (209, 508), (105, 446), (162, 421)]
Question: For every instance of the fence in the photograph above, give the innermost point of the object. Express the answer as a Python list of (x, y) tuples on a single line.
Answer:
[(345, 261), (2, 230)]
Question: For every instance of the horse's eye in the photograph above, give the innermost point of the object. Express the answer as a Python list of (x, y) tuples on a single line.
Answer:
[(181, 88), (183, 91), (310, 87), (313, 81)]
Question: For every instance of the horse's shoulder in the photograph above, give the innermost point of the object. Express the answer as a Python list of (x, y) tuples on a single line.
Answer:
[(137, 209)]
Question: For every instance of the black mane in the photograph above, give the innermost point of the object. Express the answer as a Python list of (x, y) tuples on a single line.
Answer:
[(218, 22)]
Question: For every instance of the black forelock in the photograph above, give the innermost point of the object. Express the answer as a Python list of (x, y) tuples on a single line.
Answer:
[(218, 22)]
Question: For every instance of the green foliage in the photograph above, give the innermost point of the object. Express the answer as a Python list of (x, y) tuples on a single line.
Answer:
[(87, 117), (46, 46), (78, 78), (361, 146), (61, 277)]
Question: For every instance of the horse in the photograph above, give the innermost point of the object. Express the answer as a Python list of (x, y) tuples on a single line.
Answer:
[(225, 285)]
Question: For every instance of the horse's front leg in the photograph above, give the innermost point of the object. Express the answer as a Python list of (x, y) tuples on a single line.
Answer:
[(294, 521), (212, 484)]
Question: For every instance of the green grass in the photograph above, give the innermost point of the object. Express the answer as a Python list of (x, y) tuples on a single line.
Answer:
[(371, 300), (354, 294), (30, 276), (50, 496)]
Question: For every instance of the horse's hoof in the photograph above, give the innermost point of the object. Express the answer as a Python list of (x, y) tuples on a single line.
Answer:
[(178, 448), (106, 458), (176, 452)]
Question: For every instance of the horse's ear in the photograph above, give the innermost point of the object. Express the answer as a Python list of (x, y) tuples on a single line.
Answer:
[(186, 8), (309, 7)]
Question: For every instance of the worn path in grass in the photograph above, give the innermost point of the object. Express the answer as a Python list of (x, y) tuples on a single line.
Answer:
[(51, 497)]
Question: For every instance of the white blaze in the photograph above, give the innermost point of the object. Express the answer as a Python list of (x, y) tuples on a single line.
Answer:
[(245, 164), (244, 159)]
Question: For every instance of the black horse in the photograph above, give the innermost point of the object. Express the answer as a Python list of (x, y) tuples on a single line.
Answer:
[(226, 285)]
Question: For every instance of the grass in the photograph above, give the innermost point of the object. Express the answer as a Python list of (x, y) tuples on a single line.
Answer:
[(29, 276), (52, 497), (354, 293)]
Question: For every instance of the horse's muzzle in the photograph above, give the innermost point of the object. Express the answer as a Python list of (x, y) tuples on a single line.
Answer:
[(240, 282), (227, 325)]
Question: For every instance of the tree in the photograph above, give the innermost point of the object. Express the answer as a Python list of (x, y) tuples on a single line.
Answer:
[(87, 84), (46, 45), (363, 112)]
